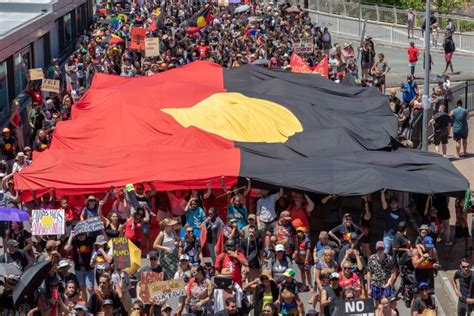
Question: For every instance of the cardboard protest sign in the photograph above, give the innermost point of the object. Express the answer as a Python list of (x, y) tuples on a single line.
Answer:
[(138, 38), (121, 252), (92, 224), (50, 85), (299, 65), (304, 46), (35, 74), (167, 289), (152, 47), (146, 279), (47, 222), (355, 307), (223, 3)]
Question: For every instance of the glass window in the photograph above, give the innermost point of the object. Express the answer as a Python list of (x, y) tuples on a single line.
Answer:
[(22, 62), (3, 88), (67, 29)]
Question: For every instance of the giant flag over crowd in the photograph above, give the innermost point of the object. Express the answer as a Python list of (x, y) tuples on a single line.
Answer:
[(184, 127)]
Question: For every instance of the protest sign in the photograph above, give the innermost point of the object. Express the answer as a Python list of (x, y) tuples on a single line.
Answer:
[(121, 252), (50, 85), (355, 307), (223, 3), (304, 46), (47, 222), (152, 47), (299, 65), (166, 289), (146, 279), (36, 74), (92, 224), (138, 38)]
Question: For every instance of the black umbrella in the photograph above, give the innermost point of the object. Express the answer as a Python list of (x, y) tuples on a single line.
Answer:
[(8, 269), (30, 281)]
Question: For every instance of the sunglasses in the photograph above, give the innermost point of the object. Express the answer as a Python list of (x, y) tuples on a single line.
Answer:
[(465, 267), (153, 259), (51, 249), (102, 282), (347, 268), (189, 232)]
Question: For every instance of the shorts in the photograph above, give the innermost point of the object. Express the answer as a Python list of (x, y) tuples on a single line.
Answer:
[(85, 278), (441, 136), (448, 56), (459, 136), (379, 292)]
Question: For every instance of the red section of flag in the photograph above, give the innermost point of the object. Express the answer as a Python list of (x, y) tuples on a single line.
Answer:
[(299, 65)]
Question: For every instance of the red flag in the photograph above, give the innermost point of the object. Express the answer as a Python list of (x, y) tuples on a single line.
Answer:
[(299, 65), (322, 68)]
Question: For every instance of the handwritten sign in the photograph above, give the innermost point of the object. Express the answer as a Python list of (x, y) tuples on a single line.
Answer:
[(138, 38), (146, 279), (223, 3), (50, 85), (36, 74), (121, 252), (92, 224), (47, 222), (167, 289), (152, 47), (305, 46)]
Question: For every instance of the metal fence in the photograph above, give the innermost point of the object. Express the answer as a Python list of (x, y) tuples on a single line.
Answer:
[(386, 25)]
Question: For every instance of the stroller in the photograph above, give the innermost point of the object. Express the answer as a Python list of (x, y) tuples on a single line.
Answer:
[(408, 282)]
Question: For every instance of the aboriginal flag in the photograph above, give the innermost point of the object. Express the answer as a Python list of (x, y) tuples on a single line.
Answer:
[(201, 19), (184, 127)]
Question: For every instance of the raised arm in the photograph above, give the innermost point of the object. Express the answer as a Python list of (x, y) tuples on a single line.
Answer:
[(325, 199), (428, 204), (153, 189), (208, 193), (249, 187), (309, 204), (383, 199)]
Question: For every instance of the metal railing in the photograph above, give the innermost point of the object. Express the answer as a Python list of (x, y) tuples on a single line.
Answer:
[(386, 25)]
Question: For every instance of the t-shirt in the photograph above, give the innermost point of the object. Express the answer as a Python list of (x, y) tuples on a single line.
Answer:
[(351, 281), (392, 219), (251, 249), (195, 217), (441, 121), (459, 118), (82, 250), (238, 213), (8, 146), (413, 54), (299, 213), (232, 264), (266, 208), (344, 233), (284, 234), (400, 241), (465, 283), (278, 267), (133, 231), (147, 268), (419, 304), (203, 51)]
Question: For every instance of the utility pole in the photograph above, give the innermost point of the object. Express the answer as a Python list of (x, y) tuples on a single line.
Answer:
[(360, 17), (426, 81)]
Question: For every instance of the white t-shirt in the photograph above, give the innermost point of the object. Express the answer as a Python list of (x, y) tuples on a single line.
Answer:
[(266, 208)]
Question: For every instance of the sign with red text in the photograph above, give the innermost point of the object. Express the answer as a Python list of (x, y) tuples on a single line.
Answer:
[(121, 252)]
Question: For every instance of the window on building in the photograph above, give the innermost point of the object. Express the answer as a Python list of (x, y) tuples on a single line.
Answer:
[(67, 29), (3, 87), (22, 62)]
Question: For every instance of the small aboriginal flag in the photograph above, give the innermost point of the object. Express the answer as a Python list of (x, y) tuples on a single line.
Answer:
[(201, 19)]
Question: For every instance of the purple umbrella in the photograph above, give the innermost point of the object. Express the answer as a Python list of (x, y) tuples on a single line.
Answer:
[(10, 214)]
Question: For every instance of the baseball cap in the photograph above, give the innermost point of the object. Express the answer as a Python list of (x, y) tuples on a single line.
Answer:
[(80, 307), (301, 229), (423, 227), (64, 263), (279, 247), (289, 273), (100, 240), (380, 245), (347, 215), (333, 276), (428, 242), (285, 215), (12, 243), (422, 285), (153, 254), (184, 257), (107, 302), (129, 187), (252, 216)]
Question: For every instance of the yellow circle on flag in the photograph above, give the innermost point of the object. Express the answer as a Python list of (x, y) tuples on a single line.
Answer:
[(47, 221), (201, 21)]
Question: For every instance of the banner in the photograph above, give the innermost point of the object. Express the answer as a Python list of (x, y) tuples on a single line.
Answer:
[(305, 46), (50, 85), (48, 222), (91, 224), (35, 74), (152, 46), (121, 252), (146, 279), (299, 65), (167, 289), (138, 38), (355, 307)]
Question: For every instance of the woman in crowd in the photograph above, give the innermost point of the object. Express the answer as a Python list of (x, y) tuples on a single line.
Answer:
[(198, 300), (265, 291), (167, 244)]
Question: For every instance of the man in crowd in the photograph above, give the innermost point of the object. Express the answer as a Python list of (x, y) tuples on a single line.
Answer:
[(463, 284), (441, 123)]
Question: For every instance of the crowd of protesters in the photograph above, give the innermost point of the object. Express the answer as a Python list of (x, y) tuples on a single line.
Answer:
[(239, 250)]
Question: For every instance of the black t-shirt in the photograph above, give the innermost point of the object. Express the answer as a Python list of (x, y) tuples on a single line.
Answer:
[(17, 257), (335, 295), (400, 241), (465, 282), (420, 304), (82, 253), (344, 233), (20, 237), (8, 147), (251, 250), (441, 121)]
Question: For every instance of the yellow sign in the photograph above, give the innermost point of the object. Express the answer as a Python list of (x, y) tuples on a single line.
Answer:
[(36, 74), (152, 47), (50, 85), (166, 289)]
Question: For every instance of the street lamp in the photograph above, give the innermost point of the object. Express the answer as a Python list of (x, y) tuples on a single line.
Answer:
[(426, 80)]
